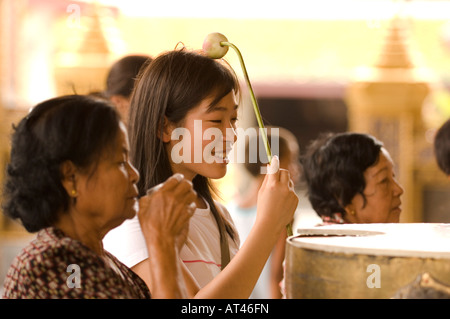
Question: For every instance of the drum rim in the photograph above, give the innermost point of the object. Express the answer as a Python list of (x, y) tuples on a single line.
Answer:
[(343, 245)]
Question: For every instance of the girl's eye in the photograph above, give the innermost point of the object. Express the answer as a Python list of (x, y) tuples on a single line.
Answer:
[(232, 121)]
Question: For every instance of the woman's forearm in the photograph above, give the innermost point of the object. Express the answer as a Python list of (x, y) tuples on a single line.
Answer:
[(165, 270)]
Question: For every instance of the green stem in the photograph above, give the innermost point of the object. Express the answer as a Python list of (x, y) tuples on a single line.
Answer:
[(257, 112), (254, 101)]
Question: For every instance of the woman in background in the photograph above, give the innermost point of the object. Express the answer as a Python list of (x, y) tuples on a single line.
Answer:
[(121, 79), (351, 179)]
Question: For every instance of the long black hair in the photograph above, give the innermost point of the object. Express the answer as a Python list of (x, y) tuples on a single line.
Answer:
[(169, 87)]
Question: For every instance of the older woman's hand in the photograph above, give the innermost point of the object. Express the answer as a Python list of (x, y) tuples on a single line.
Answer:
[(165, 212), (164, 215)]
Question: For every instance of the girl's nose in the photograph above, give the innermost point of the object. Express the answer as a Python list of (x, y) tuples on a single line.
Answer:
[(230, 133)]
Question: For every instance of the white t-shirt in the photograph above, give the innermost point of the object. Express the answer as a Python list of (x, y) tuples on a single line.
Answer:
[(244, 219), (201, 252)]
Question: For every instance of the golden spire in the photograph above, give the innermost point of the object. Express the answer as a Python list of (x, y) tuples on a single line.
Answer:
[(395, 51), (85, 57), (94, 40)]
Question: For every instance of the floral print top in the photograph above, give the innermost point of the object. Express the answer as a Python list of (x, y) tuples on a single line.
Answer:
[(56, 266)]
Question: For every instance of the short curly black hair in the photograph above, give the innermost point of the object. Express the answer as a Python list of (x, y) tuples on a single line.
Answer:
[(334, 166), (442, 147), (75, 128)]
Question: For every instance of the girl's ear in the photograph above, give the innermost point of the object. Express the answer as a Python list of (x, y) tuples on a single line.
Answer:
[(69, 179), (168, 127)]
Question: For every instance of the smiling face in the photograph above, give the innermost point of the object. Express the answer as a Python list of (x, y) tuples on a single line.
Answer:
[(108, 196), (210, 136), (382, 194)]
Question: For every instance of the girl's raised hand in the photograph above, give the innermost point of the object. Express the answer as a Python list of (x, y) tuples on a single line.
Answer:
[(277, 200)]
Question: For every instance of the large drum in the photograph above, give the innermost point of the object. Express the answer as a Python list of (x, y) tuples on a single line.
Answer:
[(369, 261)]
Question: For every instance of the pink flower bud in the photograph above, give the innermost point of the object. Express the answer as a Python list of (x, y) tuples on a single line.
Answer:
[(212, 46)]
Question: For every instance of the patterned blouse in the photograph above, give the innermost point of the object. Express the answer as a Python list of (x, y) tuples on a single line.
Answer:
[(56, 266), (335, 218)]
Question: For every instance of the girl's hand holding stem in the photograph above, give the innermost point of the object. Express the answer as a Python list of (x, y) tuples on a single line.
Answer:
[(277, 200)]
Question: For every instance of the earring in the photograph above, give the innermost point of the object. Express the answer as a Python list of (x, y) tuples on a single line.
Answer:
[(353, 212), (74, 193)]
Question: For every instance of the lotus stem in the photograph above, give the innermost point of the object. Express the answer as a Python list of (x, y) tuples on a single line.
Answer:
[(257, 112)]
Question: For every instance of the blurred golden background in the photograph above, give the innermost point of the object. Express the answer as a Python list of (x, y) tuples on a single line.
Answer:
[(380, 67)]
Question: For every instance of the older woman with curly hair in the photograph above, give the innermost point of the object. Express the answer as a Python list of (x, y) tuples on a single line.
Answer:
[(442, 147), (351, 179), (70, 180)]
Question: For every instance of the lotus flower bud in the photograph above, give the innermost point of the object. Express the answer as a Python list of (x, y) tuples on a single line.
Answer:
[(212, 46)]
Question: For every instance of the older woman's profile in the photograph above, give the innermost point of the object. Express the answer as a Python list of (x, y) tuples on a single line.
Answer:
[(70, 180)]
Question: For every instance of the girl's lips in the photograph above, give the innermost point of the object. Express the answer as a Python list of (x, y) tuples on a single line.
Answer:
[(221, 159), (222, 156)]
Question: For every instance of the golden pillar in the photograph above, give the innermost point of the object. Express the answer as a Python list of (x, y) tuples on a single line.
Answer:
[(386, 101)]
